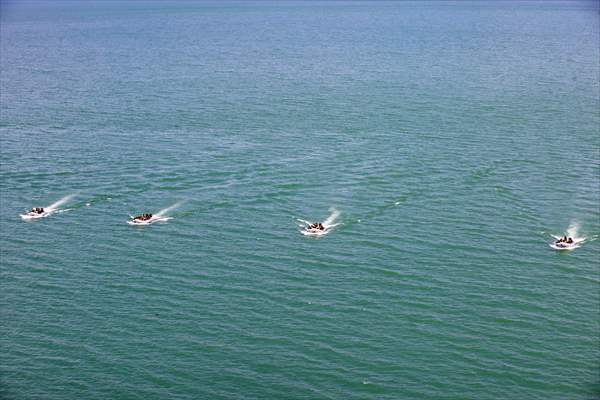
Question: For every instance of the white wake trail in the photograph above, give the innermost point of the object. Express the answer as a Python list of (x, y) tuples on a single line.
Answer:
[(304, 222), (59, 203), (166, 210), (572, 232), (328, 225), (329, 222)]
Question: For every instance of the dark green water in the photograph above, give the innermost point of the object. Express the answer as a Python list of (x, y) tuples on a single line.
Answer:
[(453, 138)]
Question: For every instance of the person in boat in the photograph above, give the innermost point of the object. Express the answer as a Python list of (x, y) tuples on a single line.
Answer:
[(562, 240), (318, 226), (565, 240), (37, 210), (143, 217)]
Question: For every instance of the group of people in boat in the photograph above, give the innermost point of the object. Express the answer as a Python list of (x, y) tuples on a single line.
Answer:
[(143, 217), (565, 239), (318, 226)]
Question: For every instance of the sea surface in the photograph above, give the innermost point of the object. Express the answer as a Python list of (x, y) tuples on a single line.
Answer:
[(453, 138)]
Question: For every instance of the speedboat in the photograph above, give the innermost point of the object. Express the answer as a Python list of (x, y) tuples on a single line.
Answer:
[(314, 231), (143, 219), (35, 213), (147, 219), (560, 244), (564, 246)]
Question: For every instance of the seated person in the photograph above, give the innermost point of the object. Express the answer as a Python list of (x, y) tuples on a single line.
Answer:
[(318, 226), (562, 240)]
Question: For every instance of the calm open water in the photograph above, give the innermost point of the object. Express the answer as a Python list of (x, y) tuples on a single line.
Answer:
[(453, 138)]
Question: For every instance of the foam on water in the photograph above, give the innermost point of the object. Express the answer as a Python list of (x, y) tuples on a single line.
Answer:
[(415, 140), (149, 222), (50, 209), (158, 217), (329, 221), (573, 231), (170, 208), (328, 224), (55, 205)]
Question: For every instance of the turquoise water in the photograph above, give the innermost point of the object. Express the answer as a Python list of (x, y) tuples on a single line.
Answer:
[(453, 137)]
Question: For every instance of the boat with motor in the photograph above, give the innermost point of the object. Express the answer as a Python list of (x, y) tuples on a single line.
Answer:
[(315, 229), (36, 212), (147, 219), (565, 243), (143, 219)]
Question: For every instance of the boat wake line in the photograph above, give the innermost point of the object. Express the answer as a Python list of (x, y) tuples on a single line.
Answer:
[(571, 233), (158, 217), (48, 210), (312, 229)]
